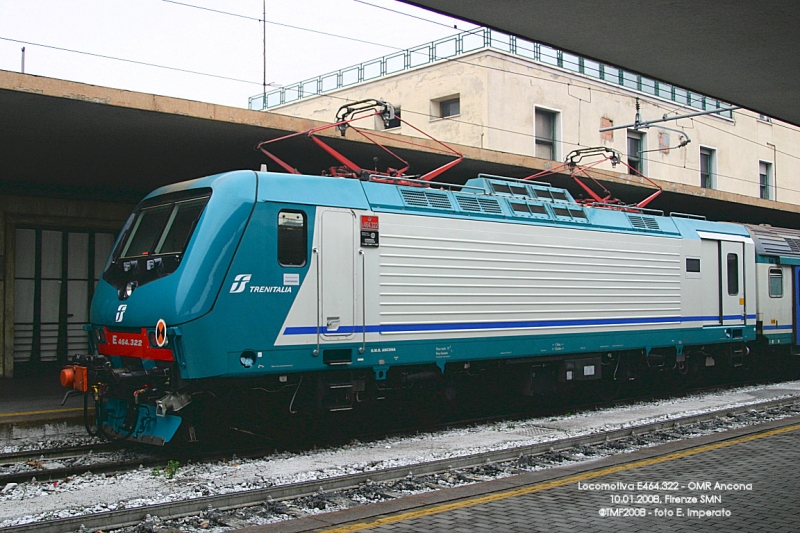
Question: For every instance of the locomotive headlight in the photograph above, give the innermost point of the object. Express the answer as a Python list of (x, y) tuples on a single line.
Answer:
[(125, 292)]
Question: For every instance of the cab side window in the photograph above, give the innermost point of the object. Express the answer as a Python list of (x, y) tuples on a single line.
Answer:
[(292, 238)]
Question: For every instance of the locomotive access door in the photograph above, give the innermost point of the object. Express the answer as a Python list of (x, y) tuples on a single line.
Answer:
[(337, 279), (732, 297)]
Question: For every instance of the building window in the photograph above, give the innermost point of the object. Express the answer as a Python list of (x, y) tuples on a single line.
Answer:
[(775, 283), (707, 157), (545, 133), (636, 145), (765, 180), (450, 107)]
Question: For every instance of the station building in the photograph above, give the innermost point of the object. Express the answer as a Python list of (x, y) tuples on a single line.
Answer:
[(487, 89)]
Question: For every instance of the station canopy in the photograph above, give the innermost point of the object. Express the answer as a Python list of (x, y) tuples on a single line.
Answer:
[(64, 139)]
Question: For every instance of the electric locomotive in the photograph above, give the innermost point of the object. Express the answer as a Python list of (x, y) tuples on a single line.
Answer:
[(323, 293)]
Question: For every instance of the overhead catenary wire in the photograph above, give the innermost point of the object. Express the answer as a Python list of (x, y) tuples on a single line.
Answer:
[(134, 61), (454, 26), (282, 24)]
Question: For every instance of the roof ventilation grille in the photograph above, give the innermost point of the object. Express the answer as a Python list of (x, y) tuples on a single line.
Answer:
[(645, 223), (490, 205), (417, 198), (468, 203), (794, 244)]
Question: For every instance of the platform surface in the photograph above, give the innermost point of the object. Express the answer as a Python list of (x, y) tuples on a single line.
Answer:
[(740, 480), (36, 397)]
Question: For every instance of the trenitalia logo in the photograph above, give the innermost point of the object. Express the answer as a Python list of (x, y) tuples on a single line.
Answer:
[(240, 283)]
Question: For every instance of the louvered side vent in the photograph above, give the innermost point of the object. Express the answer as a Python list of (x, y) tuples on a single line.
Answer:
[(468, 203), (490, 205), (645, 223), (438, 200), (794, 244), (415, 198)]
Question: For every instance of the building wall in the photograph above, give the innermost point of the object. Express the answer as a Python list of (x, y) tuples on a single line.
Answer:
[(499, 92)]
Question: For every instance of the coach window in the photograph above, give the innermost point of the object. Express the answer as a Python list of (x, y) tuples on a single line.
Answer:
[(775, 283), (733, 274), (292, 238)]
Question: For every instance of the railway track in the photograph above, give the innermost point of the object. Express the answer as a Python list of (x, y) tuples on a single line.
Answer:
[(44, 464), (127, 517), (57, 453)]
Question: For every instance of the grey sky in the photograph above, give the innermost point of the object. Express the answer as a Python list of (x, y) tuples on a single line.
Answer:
[(165, 33)]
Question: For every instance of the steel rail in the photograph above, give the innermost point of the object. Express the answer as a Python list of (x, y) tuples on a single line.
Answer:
[(57, 453), (100, 467), (170, 510)]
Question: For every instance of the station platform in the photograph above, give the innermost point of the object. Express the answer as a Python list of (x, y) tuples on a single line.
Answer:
[(31, 410), (739, 480), (36, 398)]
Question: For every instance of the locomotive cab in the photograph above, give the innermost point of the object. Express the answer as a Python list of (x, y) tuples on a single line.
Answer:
[(157, 279)]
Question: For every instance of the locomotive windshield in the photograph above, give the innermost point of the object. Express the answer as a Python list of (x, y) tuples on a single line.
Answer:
[(163, 229), (154, 239)]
